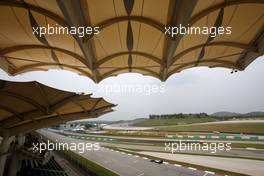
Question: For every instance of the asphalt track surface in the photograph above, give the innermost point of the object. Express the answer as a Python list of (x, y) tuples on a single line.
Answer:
[(236, 153), (246, 153), (243, 166), (127, 165)]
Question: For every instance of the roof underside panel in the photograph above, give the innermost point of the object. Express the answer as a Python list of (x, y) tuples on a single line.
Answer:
[(28, 106), (132, 36)]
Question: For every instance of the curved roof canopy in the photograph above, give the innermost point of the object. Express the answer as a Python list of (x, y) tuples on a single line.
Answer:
[(30, 105), (132, 36)]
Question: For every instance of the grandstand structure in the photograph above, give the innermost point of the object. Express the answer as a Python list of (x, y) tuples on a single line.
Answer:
[(132, 37), (31, 168), (28, 106)]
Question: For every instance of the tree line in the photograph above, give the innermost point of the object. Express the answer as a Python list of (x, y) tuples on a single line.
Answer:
[(179, 115)]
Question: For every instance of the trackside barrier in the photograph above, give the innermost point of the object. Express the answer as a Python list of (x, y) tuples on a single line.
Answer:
[(238, 137), (92, 138)]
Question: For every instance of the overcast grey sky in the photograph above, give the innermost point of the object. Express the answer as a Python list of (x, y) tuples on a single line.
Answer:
[(191, 91)]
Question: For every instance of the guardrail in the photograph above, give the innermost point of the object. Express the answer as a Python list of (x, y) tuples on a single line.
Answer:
[(239, 137)]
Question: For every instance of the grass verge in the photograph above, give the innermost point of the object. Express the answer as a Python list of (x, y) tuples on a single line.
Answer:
[(91, 166), (255, 128), (167, 122)]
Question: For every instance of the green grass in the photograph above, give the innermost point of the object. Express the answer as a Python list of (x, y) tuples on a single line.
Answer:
[(245, 145), (167, 122), (255, 128), (91, 166), (95, 168)]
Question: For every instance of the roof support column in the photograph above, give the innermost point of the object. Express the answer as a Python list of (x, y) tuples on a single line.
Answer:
[(75, 14), (179, 13), (249, 56), (4, 64)]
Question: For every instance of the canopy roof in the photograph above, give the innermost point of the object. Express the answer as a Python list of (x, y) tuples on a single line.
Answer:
[(29, 106), (131, 36)]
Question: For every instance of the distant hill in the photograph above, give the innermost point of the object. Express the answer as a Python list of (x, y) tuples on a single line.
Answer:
[(234, 114), (225, 114), (257, 113)]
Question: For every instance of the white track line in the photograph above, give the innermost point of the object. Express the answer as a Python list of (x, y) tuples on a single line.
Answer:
[(209, 172), (192, 168), (250, 148), (178, 165)]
